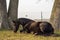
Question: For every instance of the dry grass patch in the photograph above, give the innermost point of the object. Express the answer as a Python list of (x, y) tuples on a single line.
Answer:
[(10, 35)]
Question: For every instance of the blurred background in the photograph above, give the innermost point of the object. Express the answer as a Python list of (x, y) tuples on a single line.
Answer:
[(33, 9)]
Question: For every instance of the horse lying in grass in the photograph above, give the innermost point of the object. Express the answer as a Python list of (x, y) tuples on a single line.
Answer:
[(32, 26)]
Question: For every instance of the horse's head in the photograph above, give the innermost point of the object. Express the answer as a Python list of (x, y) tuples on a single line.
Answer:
[(16, 26)]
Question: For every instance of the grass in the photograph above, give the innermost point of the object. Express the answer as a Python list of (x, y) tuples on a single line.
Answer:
[(10, 35)]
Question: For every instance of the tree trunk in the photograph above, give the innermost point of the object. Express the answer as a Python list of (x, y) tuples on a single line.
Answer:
[(3, 14), (12, 11), (55, 16)]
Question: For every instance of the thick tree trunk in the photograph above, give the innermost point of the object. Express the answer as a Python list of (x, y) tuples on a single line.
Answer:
[(3, 14), (55, 16), (12, 11)]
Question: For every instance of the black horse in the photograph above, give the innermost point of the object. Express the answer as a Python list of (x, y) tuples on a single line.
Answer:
[(21, 21)]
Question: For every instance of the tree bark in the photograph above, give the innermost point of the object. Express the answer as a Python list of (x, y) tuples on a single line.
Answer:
[(12, 11), (3, 14), (55, 16)]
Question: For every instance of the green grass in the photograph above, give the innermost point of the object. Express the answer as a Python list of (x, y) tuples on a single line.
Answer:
[(10, 35)]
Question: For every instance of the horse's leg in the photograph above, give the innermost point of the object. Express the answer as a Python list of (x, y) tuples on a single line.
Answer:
[(22, 29), (26, 28), (28, 31)]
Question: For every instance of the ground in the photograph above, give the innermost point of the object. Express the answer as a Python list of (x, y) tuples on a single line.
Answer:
[(10, 35)]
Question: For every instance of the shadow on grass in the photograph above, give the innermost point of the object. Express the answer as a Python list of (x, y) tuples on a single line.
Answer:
[(52, 35), (56, 35)]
